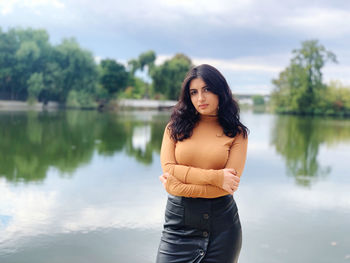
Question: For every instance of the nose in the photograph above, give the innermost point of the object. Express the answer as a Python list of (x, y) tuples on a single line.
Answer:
[(201, 97)]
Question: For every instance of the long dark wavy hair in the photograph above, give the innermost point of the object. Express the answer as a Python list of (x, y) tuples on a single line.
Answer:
[(184, 116)]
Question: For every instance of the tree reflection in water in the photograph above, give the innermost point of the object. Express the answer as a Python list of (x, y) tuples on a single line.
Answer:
[(299, 138), (33, 142)]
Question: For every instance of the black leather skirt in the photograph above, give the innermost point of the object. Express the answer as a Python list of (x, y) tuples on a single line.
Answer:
[(200, 230)]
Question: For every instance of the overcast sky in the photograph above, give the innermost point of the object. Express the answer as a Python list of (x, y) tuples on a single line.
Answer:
[(250, 41)]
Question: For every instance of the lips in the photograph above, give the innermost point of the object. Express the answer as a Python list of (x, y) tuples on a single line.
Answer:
[(203, 106)]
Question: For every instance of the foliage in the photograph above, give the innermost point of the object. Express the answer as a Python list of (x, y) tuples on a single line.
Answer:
[(35, 86), (22, 53), (137, 89), (31, 67), (133, 65), (258, 100), (167, 78), (335, 99), (298, 88), (80, 99), (145, 59), (79, 71), (113, 76)]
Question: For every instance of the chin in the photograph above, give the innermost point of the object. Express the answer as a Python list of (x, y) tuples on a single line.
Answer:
[(206, 112)]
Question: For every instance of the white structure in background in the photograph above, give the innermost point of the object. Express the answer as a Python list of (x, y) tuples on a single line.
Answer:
[(148, 104), (246, 101), (141, 135)]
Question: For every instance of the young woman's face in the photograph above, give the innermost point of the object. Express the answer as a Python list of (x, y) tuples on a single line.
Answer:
[(204, 101)]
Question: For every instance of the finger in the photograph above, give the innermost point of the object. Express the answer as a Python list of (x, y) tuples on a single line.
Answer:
[(229, 190), (236, 178), (162, 179), (232, 170)]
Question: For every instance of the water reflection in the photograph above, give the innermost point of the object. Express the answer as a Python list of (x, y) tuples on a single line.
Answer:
[(299, 139), (99, 195), (32, 142)]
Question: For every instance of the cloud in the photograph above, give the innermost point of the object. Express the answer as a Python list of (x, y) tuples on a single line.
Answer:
[(253, 74), (239, 66), (319, 22), (8, 6), (337, 72), (272, 63), (247, 37)]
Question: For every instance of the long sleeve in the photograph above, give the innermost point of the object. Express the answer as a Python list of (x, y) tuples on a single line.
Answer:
[(238, 154), (236, 160), (186, 174), (175, 187)]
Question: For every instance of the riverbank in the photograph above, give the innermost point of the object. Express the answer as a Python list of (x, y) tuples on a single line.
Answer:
[(112, 105), (145, 104), (12, 105)]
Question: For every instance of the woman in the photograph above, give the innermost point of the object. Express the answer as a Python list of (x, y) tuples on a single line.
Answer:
[(202, 156)]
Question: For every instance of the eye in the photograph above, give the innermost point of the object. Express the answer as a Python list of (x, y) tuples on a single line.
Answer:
[(206, 89), (193, 92)]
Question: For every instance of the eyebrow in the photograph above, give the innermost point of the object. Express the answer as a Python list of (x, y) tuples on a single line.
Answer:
[(206, 86)]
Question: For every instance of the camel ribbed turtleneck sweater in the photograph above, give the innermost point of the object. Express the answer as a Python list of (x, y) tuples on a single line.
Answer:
[(196, 164)]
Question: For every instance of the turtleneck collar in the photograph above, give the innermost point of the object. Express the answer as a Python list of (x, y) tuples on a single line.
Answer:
[(208, 118)]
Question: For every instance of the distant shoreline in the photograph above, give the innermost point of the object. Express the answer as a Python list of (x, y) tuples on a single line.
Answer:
[(122, 103), (23, 105)]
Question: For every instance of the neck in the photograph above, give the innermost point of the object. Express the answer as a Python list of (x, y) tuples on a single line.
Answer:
[(208, 117)]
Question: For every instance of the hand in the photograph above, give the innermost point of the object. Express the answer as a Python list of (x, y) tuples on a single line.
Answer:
[(231, 180), (163, 178)]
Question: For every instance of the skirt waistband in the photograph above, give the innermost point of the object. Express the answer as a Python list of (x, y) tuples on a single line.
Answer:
[(214, 205)]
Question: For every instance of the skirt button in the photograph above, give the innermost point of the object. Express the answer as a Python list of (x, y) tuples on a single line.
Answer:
[(205, 234)]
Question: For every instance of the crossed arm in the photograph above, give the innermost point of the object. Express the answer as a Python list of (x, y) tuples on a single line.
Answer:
[(191, 181)]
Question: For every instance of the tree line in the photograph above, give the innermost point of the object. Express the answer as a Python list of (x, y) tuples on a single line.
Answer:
[(300, 89), (32, 69)]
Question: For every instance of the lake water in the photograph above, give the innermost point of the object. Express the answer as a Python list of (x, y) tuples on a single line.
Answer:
[(82, 186)]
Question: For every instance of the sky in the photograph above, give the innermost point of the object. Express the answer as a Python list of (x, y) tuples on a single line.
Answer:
[(249, 41)]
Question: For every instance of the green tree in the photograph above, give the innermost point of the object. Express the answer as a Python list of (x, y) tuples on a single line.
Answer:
[(8, 47), (137, 88), (78, 69), (22, 53), (35, 86), (258, 100), (133, 65), (298, 87), (335, 99), (113, 76), (147, 59), (65, 67), (167, 78), (53, 80)]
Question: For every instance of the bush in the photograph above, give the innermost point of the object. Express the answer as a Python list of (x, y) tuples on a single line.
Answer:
[(80, 99), (258, 100)]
